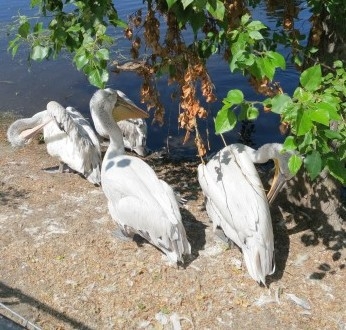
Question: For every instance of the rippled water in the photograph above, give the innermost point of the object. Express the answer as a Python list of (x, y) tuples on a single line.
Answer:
[(26, 90)]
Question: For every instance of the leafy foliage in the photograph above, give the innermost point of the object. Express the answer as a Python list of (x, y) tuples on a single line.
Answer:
[(314, 116), (80, 29)]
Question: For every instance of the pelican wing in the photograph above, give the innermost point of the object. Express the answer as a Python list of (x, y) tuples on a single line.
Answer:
[(70, 138), (142, 204), (135, 134), (236, 202)]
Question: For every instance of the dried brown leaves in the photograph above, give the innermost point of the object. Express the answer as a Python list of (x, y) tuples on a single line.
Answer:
[(183, 65)]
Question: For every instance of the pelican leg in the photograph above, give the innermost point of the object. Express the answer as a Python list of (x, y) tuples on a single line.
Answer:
[(219, 233), (55, 169), (122, 235), (62, 168)]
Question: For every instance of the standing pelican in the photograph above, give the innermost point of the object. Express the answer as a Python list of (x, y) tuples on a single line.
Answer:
[(68, 136), (137, 200), (236, 201), (134, 130)]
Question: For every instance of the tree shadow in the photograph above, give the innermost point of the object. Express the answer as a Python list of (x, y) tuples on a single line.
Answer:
[(281, 246), (195, 231), (18, 297), (181, 174), (12, 197), (318, 211)]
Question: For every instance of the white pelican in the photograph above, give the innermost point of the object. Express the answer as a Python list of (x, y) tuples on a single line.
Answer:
[(68, 136), (134, 130), (135, 135), (236, 201), (137, 200)]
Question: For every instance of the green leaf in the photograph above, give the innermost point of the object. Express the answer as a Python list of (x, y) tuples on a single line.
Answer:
[(248, 112), (13, 45), (102, 54), (302, 95), (256, 26), (313, 164), (185, 3), (14, 49), (330, 108), (266, 67), (38, 53), (307, 141), (119, 23), (216, 8), (255, 35), (337, 64), (236, 60), (170, 3), (34, 3), (244, 19), (330, 134), (277, 59), (24, 30), (98, 77), (304, 123), (225, 121), (38, 27), (81, 60), (280, 102), (337, 170), (311, 78), (290, 143), (74, 28), (294, 164), (234, 96), (320, 115), (197, 21), (252, 113)]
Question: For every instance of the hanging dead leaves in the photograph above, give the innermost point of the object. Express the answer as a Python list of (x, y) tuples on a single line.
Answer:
[(184, 67)]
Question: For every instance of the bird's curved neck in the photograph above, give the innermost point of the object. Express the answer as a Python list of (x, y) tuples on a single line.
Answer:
[(116, 145), (263, 154), (21, 125)]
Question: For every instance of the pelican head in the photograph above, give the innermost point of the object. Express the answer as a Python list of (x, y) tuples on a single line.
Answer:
[(282, 172), (115, 104), (21, 131)]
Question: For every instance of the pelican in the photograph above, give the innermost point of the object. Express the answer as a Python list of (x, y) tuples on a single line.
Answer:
[(236, 201), (135, 135), (68, 136), (134, 130), (137, 200)]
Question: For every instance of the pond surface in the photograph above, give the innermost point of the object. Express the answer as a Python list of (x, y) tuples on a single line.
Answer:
[(25, 90)]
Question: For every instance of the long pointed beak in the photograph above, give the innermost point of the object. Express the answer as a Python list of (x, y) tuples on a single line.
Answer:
[(32, 132), (126, 109), (278, 182)]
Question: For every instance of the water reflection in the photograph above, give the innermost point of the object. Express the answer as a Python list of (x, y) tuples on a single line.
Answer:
[(26, 91)]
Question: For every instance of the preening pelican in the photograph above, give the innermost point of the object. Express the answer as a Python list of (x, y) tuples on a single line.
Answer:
[(137, 200), (236, 201), (134, 130), (68, 136), (135, 135)]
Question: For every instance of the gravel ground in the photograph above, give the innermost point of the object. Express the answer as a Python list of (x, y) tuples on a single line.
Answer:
[(62, 268)]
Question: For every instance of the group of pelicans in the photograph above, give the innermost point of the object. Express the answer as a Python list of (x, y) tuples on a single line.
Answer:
[(143, 204)]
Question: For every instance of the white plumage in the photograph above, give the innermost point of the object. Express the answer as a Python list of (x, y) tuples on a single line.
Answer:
[(236, 201), (138, 200), (134, 130), (135, 135), (68, 136)]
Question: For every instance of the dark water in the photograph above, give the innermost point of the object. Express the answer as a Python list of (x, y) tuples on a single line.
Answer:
[(26, 90)]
